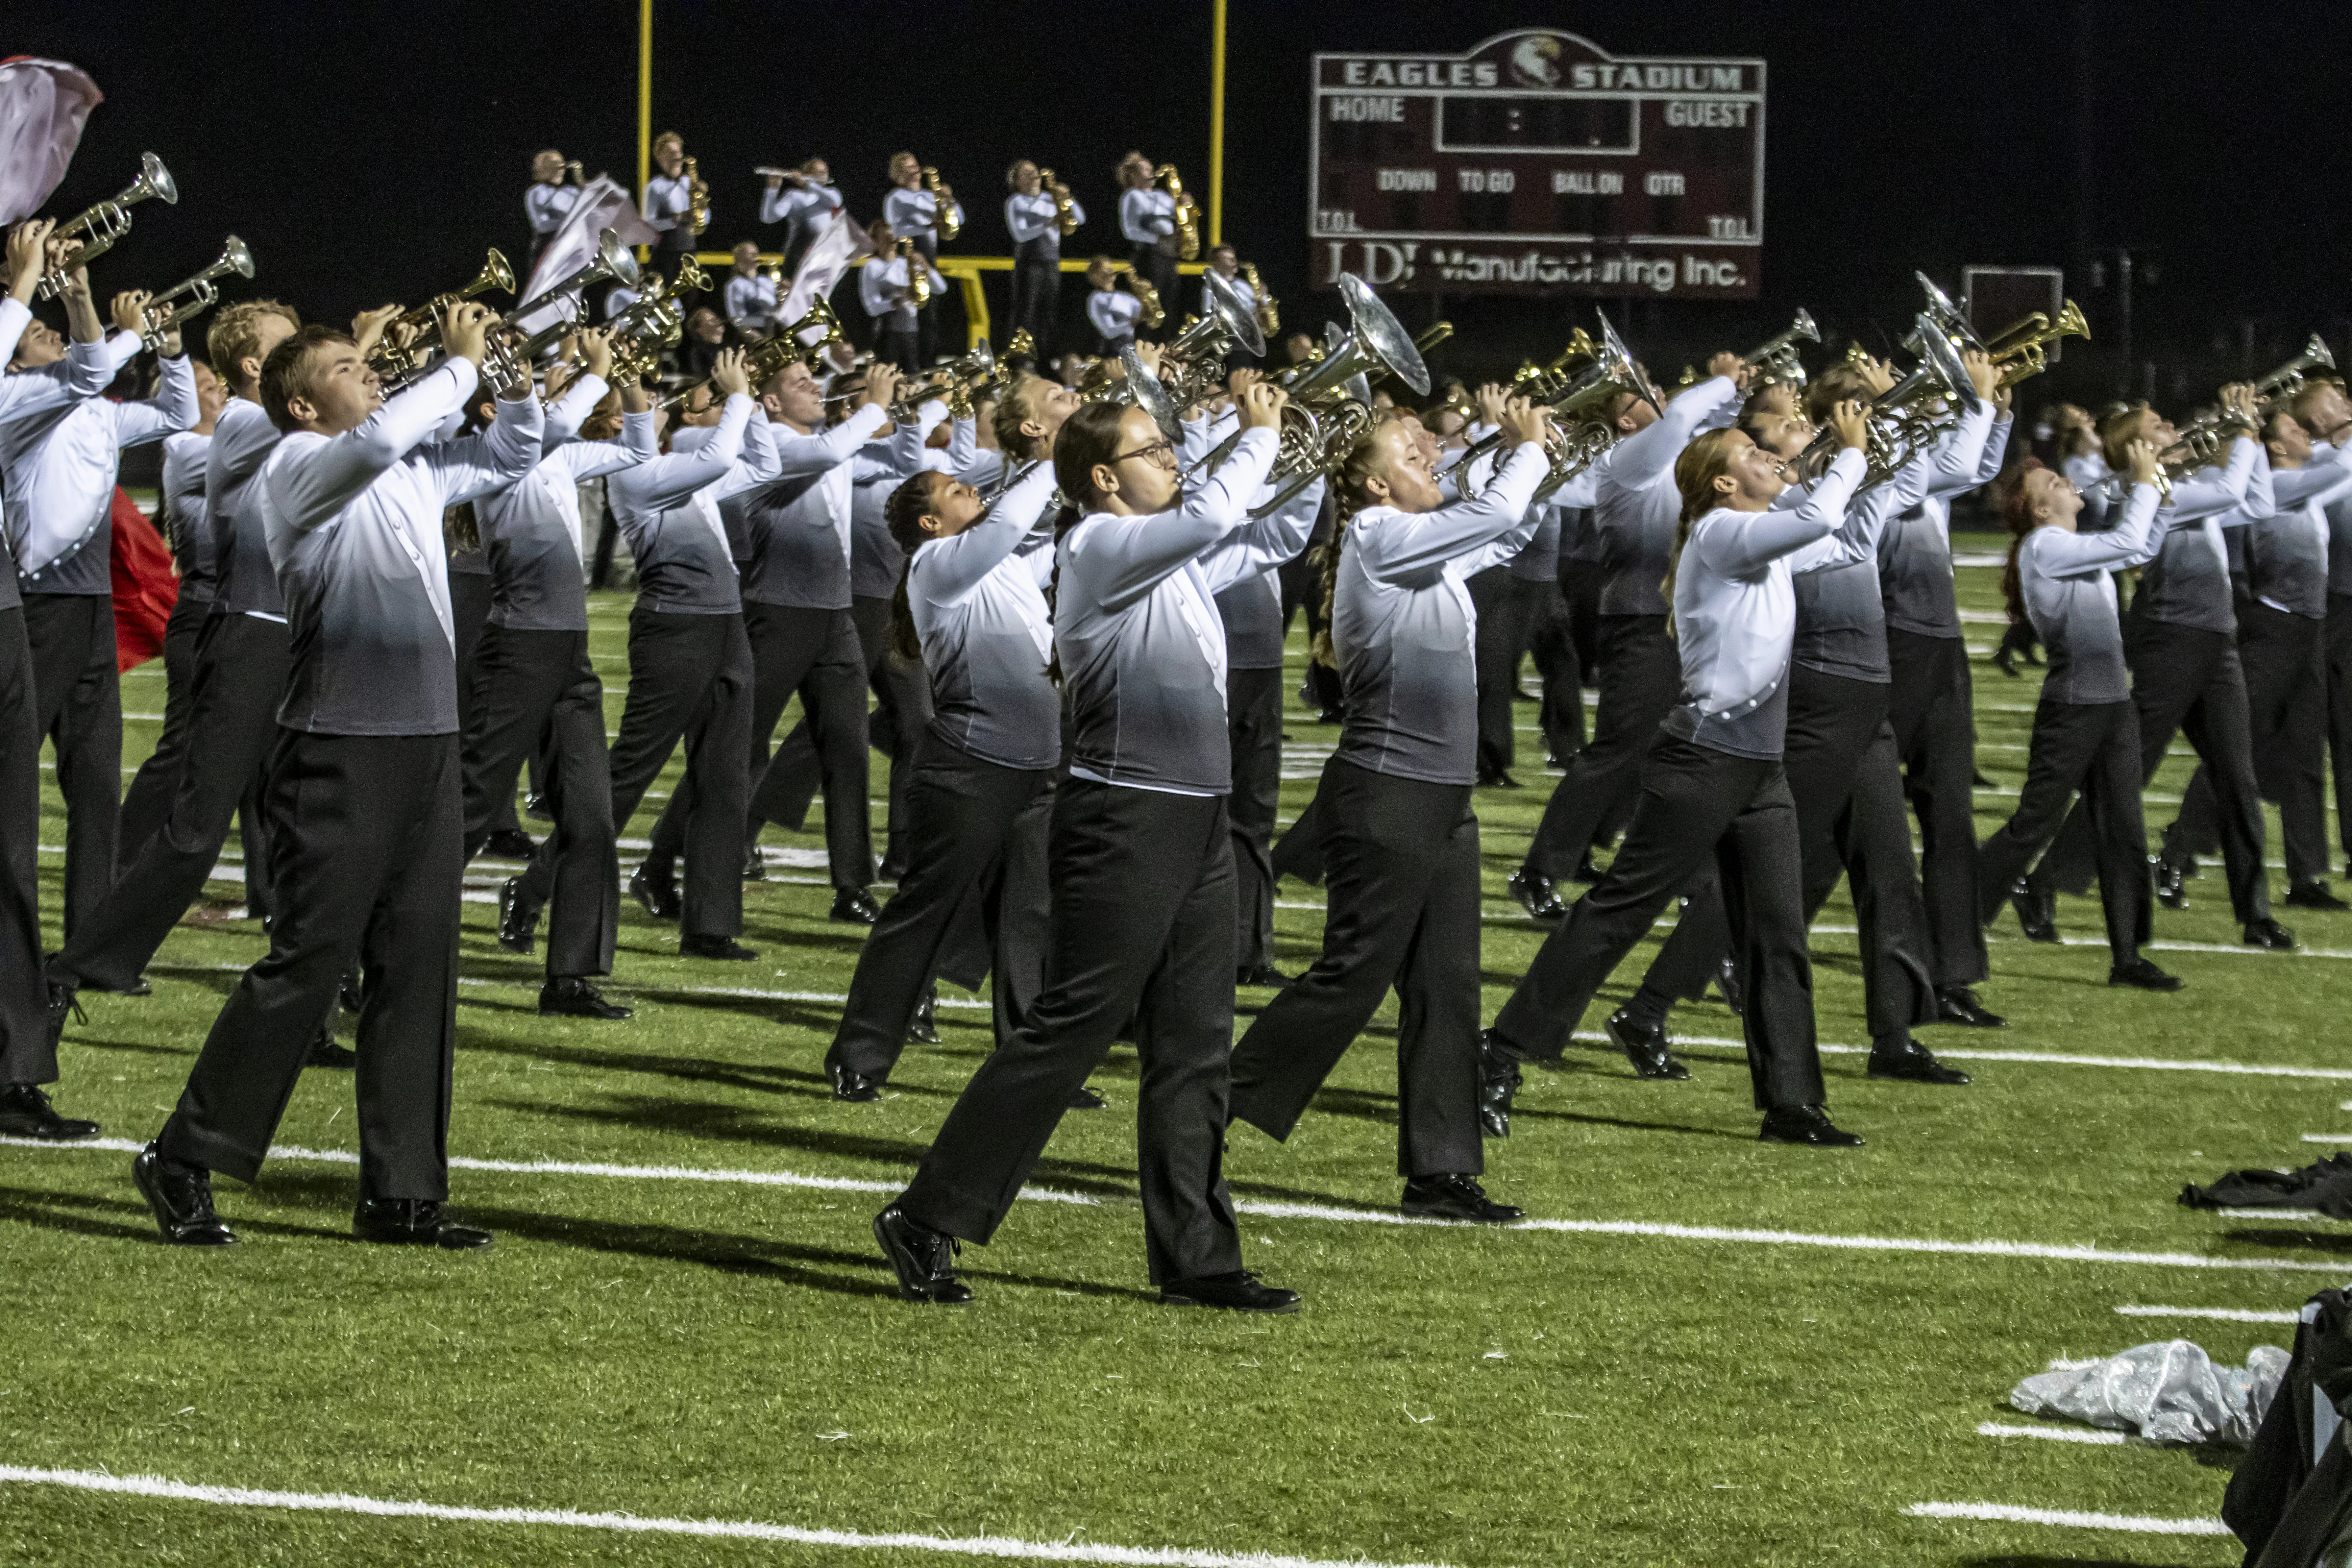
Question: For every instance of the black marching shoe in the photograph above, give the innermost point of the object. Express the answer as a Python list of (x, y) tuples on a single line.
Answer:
[(2268, 934), (1645, 1047), (576, 996), (2145, 976), (923, 1029), (1586, 872), (510, 843), (1263, 977), (1498, 1080), (755, 865), (1456, 1197), (923, 1259), (325, 1053), (2037, 912), (1911, 1062), (1958, 1005), (1536, 894), (2315, 896), (2166, 876), (854, 905), (350, 992), (2004, 660), (181, 1198), (1240, 1291), (1084, 1097), (535, 808), (695, 945), (517, 921), (1496, 778), (1727, 981), (853, 1087), (655, 890), (64, 1002), (25, 1112), (1808, 1124), (413, 1222)]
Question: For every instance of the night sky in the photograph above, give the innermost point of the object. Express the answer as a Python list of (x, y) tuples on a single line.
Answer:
[(370, 151)]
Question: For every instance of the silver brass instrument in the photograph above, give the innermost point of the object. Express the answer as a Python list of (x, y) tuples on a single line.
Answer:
[(1945, 317), (1775, 359), (1898, 419), (2287, 380), (194, 295), (504, 365), (104, 223), (1610, 371), (1195, 361)]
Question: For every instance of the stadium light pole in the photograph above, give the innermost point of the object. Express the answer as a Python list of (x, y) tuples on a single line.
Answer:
[(1217, 123)]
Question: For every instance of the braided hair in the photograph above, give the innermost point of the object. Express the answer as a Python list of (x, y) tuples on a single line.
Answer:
[(1358, 467), (903, 515)]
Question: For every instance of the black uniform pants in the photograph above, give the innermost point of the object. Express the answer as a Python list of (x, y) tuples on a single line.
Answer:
[(79, 692), (1142, 931), (1253, 727), (1158, 268), (25, 1055), (469, 612), (370, 867), (2094, 747), (902, 712), (149, 794), (242, 663), (1694, 804), (1545, 633), (1036, 304), (1930, 708), (2338, 661), (1840, 762), (538, 690), (690, 680), (1495, 653), (2187, 679), (963, 841), (1401, 859), (2284, 657), (1641, 675)]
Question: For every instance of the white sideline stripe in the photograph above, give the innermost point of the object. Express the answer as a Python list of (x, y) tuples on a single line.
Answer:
[(2051, 1434), (2225, 1314), (1000, 1546), (1305, 1211), (2010, 1513), (2345, 1137), (2059, 1058)]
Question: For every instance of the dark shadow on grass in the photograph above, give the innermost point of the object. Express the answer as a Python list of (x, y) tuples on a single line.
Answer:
[(1538, 1113), (744, 1255), (40, 1209), (1364, 1105), (2039, 1561), (142, 1047), (2310, 1240), (691, 1069)]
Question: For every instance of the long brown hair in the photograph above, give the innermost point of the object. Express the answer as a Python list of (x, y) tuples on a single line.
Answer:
[(2017, 511), (1706, 459), (1088, 437), (903, 515), (1358, 467)]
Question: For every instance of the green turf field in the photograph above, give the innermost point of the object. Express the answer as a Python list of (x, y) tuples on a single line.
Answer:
[(727, 1347)]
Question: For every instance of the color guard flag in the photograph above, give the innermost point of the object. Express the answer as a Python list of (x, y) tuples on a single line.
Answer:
[(602, 205), (829, 256), (42, 106)]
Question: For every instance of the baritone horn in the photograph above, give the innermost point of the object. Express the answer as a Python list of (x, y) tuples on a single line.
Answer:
[(1775, 360), (192, 295), (104, 223)]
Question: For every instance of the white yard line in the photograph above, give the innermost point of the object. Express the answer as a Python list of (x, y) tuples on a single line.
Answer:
[(2053, 1434), (997, 1546), (2222, 1314), (2010, 1513)]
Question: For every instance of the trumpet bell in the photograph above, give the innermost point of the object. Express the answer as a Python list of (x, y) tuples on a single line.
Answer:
[(1377, 329), (1804, 326), (1238, 319), (2317, 351), (617, 260), (1145, 392), (235, 258), (1622, 368), (1935, 350), (1945, 316), (495, 274), (154, 180)]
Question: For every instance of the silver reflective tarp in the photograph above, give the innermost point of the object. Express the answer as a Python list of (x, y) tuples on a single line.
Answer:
[(2167, 1393)]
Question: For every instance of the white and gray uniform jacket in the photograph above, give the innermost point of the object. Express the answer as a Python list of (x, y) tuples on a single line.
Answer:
[(667, 508), (185, 523), (353, 523), (2286, 552), (881, 282), (38, 397), (1149, 217), (548, 205), (795, 525), (60, 466), (1035, 224), (750, 301), (1113, 312), (1141, 646), (914, 214), (806, 208), (1915, 558), (876, 562), (1635, 504), (2070, 596), (666, 199), (1251, 608), (2187, 582), (247, 585), (1406, 633), (1736, 609), (987, 633), (531, 531)]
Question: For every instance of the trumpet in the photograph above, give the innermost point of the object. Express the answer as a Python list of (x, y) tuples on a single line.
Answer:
[(1270, 318), (1438, 332), (2287, 379), (691, 278), (1142, 290), (392, 357), (1066, 217), (1023, 344), (820, 315), (2021, 348), (698, 201), (104, 223), (509, 363), (1187, 217), (1775, 359), (1586, 392), (943, 204), (640, 332), (1330, 404), (166, 313)]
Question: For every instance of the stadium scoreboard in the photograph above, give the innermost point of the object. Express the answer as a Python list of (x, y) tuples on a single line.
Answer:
[(1536, 162)]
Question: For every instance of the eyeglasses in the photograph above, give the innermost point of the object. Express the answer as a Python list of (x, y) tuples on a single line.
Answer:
[(1160, 454)]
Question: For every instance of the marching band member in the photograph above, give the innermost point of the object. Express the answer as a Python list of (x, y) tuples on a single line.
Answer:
[(533, 676), (2186, 677), (914, 212), (1400, 837), (668, 197), (1147, 216), (795, 525), (548, 200), (2326, 413), (1142, 869), (1033, 214), (885, 288), (28, 1045), (1713, 786), (60, 469), (365, 778), (1226, 263), (2086, 728), (1635, 506), (470, 611), (805, 201), (750, 297), (1110, 311)]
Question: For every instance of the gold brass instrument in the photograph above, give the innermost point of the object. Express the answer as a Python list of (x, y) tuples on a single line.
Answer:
[(1139, 286), (919, 275), (1688, 379), (1192, 367), (509, 363), (698, 201), (1437, 333), (943, 204), (1023, 346), (392, 357), (690, 280), (1579, 395), (103, 222), (1775, 359), (1066, 216), (1187, 217), (1269, 315), (1899, 417), (820, 315), (1458, 402), (640, 333), (192, 295), (2021, 348), (1330, 404)]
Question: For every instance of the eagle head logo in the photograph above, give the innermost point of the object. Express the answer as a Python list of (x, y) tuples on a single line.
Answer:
[(1533, 61)]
